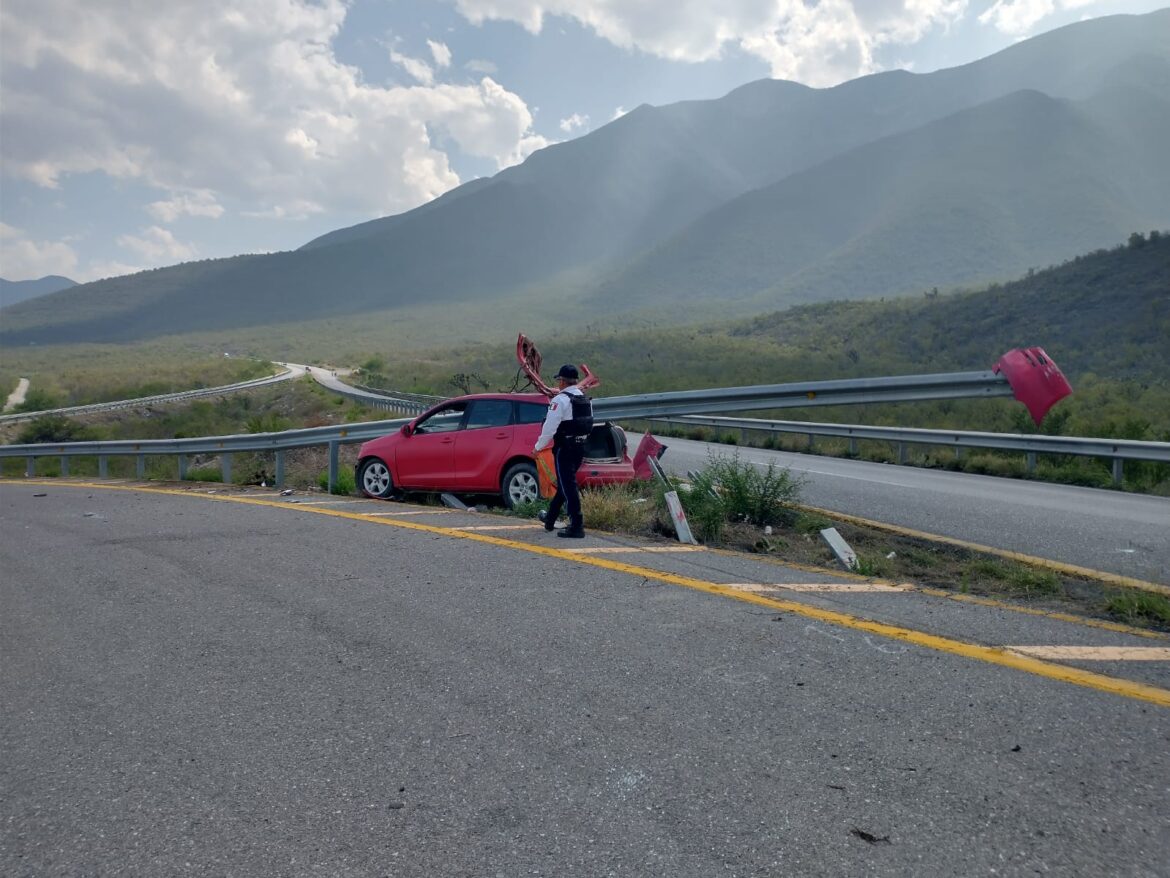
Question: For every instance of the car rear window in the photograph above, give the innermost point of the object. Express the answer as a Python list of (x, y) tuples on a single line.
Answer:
[(530, 413)]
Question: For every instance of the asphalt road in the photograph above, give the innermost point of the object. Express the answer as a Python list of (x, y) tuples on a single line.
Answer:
[(203, 687), (1128, 534)]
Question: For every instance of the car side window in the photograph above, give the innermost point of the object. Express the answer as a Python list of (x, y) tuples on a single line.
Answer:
[(445, 420), (489, 413), (530, 413)]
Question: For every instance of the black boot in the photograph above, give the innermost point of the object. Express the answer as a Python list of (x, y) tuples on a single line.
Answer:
[(575, 530)]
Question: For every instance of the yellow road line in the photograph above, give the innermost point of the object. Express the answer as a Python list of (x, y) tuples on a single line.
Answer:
[(1055, 566), (1000, 656), (1097, 653)]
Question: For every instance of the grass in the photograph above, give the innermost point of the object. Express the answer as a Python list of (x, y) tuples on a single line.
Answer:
[(1139, 608)]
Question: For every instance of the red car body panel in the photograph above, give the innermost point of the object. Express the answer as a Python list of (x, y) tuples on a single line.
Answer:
[(461, 445)]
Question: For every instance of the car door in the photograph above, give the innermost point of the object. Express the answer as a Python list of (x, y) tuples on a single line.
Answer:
[(426, 458), (482, 446)]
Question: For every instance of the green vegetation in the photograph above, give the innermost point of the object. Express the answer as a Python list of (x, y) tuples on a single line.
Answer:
[(1140, 608)]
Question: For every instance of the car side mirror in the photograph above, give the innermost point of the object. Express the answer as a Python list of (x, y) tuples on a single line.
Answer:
[(407, 429)]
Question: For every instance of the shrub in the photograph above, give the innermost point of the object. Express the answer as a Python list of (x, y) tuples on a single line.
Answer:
[(204, 474), (344, 485), (624, 508), (54, 428)]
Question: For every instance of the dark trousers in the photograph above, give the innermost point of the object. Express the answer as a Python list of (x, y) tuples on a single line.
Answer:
[(568, 457)]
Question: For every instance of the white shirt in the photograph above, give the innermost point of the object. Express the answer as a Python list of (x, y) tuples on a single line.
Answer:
[(560, 409)]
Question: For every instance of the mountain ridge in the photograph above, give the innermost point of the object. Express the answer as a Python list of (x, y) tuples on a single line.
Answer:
[(593, 207)]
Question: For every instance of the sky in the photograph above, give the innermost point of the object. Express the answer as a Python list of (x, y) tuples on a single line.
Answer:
[(136, 133)]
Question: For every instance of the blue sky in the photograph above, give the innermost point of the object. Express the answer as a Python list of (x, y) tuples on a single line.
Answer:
[(136, 134)]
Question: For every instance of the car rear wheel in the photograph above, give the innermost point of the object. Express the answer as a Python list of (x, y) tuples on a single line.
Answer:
[(374, 479), (520, 485)]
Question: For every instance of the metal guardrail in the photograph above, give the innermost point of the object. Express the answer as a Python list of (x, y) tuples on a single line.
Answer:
[(181, 396), (224, 446), (692, 403), (1116, 450)]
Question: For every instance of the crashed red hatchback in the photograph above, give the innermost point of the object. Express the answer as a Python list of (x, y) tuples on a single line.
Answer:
[(481, 444)]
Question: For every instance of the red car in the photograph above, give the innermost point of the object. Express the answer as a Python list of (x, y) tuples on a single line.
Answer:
[(481, 444)]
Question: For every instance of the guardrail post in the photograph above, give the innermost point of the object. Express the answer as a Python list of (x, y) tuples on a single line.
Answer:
[(140, 469), (64, 466), (811, 443), (182, 467), (279, 480), (225, 467), (853, 446), (1030, 462), (30, 467), (1118, 470), (743, 436), (334, 446), (901, 452), (959, 452), (103, 466)]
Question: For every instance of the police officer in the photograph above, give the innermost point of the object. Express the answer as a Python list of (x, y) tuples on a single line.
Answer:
[(567, 426)]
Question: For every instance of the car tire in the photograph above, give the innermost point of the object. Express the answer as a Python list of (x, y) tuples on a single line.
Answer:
[(520, 485), (374, 479)]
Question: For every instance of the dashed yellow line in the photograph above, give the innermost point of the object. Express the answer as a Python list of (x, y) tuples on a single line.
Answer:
[(1000, 656)]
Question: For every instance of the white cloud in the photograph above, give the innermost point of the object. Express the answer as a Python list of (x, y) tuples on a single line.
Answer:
[(157, 246), (418, 69), (819, 44), (440, 53), (479, 65), (1017, 17), (199, 202), (24, 259), (574, 122), (233, 99)]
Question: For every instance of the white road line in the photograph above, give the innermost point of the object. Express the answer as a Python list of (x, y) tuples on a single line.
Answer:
[(817, 586), (500, 527), (625, 550), (415, 512), (1097, 653)]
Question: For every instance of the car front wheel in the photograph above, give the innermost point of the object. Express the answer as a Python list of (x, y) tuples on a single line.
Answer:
[(520, 485), (374, 479)]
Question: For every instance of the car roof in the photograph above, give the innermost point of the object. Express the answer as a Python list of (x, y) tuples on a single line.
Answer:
[(538, 398)]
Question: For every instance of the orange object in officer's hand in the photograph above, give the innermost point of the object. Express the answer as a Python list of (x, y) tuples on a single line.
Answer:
[(546, 473)]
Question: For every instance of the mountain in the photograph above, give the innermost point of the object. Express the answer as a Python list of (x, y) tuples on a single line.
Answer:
[(13, 291), (987, 193), (776, 193)]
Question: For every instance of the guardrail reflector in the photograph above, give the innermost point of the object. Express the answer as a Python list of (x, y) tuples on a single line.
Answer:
[(1035, 379)]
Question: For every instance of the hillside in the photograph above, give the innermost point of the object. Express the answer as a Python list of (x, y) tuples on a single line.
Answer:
[(984, 194), (1103, 316), (13, 291), (772, 194)]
